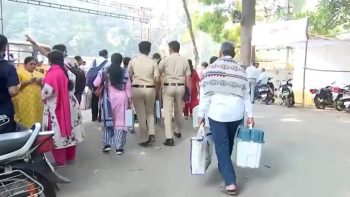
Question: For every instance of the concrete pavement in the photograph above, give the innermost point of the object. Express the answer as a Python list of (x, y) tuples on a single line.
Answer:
[(307, 154)]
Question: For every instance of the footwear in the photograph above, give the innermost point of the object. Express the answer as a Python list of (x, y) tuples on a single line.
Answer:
[(152, 138), (145, 144), (99, 119), (229, 192), (169, 142), (177, 135), (106, 149), (186, 117), (119, 151)]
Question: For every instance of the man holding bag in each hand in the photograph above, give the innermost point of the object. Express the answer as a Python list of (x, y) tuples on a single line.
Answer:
[(224, 98)]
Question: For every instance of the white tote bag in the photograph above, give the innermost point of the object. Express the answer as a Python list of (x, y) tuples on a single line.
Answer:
[(85, 103), (158, 109), (201, 152), (129, 118)]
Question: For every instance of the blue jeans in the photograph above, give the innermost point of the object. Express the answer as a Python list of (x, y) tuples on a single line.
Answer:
[(223, 137)]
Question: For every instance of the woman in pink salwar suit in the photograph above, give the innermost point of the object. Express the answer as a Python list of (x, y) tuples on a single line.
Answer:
[(58, 110), (115, 101)]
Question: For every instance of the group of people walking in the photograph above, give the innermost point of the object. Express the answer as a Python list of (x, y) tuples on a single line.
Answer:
[(138, 87), (220, 89)]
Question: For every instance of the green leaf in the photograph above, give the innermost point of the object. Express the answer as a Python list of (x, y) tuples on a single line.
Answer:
[(211, 2)]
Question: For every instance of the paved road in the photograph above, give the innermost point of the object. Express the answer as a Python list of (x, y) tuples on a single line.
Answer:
[(307, 154)]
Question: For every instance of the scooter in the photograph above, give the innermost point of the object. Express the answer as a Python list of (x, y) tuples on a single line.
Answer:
[(287, 93), (24, 168), (343, 103), (266, 92), (327, 96)]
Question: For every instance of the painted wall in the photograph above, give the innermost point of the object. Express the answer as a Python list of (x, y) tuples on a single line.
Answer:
[(322, 55)]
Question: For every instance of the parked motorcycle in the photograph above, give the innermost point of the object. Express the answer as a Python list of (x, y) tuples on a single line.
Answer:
[(266, 92), (287, 93), (24, 169), (343, 103), (327, 96)]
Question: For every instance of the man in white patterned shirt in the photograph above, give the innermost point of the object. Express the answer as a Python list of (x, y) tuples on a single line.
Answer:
[(224, 98)]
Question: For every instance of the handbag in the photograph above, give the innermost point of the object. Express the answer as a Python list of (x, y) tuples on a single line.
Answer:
[(187, 95), (99, 90)]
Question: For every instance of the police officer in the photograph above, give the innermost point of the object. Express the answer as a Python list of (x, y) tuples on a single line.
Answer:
[(177, 74), (145, 81)]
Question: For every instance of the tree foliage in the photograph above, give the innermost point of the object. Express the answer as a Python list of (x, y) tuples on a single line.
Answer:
[(233, 34), (213, 23), (211, 2), (330, 17), (218, 23)]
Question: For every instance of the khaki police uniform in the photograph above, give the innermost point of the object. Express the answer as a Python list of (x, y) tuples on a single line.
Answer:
[(174, 70), (143, 71)]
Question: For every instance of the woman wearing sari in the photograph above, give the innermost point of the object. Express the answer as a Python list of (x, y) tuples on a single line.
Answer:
[(29, 106), (61, 112), (115, 101)]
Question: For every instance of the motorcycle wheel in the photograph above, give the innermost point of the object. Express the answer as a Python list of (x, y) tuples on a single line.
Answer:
[(318, 104), (293, 100), (49, 189), (288, 102), (267, 100), (339, 105)]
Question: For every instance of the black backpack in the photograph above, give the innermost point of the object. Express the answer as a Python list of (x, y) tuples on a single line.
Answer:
[(80, 79)]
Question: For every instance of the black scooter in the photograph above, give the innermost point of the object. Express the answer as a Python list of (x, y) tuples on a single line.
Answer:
[(24, 169), (287, 93), (266, 92)]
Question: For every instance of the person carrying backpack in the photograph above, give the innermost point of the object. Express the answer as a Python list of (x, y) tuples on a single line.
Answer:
[(97, 65), (80, 81)]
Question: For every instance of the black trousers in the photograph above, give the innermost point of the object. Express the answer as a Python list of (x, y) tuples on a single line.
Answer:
[(96, 112), (78, 96)]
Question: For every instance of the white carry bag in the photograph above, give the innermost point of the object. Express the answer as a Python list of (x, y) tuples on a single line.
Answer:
[(85, 103), (249, 147), (129, 118), (195, 118), (201, 152), (158, 110)]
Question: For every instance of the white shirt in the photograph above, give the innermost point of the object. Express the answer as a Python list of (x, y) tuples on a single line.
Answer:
[(225, 107), (263, 78), (99, 61), (253, 72)]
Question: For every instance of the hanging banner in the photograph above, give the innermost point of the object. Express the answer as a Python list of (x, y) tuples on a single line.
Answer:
[(280, 34)]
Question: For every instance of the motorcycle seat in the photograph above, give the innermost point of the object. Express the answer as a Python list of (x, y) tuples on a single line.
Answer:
[(10, 142), (264, 85)]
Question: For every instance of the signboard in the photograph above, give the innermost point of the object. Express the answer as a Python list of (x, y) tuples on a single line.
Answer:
[(280, 34)]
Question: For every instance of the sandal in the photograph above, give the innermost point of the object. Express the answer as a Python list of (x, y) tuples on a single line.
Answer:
[(229, 192)]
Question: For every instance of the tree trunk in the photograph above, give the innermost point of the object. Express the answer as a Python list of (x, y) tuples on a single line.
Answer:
[(190, 29), (248, 21)]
